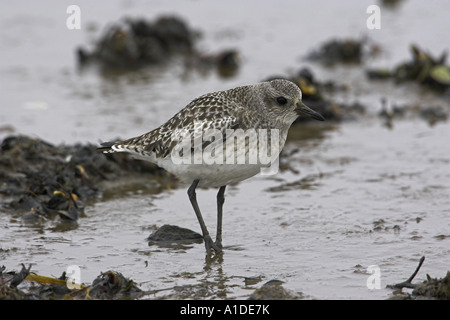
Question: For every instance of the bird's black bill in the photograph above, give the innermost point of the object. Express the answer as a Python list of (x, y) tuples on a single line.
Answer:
[(304, 110)]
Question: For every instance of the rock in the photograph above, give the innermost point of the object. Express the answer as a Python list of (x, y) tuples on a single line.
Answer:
[(170, 233)]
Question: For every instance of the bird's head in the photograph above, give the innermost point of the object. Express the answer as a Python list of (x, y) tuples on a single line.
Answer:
[(282, 101)]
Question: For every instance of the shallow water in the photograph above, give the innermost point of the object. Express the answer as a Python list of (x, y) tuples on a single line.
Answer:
[(356, 194)]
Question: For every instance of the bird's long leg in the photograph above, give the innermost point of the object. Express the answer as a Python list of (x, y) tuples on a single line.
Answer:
[(220, 201), (209, 244)]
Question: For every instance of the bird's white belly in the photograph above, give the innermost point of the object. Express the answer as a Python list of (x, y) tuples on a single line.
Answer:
[(226, 165), (210, 175)]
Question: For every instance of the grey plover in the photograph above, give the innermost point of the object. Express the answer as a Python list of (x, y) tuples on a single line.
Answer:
[(212, 123)]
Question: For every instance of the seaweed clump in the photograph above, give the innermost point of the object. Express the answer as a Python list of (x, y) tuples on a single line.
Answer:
[(423, 68), (434, 288), (133, 43), (347, 51), (429, 289), (44, 180), (26, 285)]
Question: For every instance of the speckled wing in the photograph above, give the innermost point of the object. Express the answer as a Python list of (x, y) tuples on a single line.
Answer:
[(210, 111)]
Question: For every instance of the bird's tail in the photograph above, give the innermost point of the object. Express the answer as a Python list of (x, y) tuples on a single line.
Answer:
[(106, 147)]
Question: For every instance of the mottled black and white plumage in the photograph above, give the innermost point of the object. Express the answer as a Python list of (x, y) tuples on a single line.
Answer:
[(268, 105)]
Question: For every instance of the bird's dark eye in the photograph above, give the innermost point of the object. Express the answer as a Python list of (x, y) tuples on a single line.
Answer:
[(281, 101)]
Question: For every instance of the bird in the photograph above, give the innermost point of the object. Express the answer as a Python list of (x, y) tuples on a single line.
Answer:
[(209, 143)]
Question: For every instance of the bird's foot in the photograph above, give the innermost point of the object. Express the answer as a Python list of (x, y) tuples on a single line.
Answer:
[(210, 245), (218, 243)]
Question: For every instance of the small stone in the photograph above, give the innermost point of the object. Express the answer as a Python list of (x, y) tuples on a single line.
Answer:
[(171, 233)]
